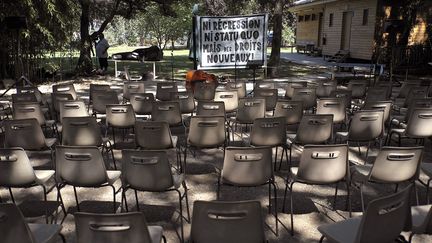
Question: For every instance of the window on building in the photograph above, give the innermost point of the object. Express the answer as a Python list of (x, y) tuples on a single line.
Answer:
[(331, 20), (307, 17), (313, 17), (365, 16), (300, 18)]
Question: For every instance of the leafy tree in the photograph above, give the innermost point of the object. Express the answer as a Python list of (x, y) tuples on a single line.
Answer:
[(105, 11)]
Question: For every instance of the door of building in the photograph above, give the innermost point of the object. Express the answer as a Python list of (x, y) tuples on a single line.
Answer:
[(346, 30)]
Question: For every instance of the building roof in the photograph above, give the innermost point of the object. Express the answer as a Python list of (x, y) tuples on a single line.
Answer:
[(301, 4)]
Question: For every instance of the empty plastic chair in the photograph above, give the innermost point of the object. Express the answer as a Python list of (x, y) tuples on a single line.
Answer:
[(65, 89), (24, 98), (270, 96), (319, 165), (358, 88), (383, 221), (204, 91), (103, 98), (210, 108), (421, 220), (168, 111), (72, 108), (292, 111), (239, 86), (229, 98), (83, 166), (377, 94), (419, 126), (132, 87), (142, 103), (120, 117), (56, 98), (306, 95), (96, 88), (264, 85), (325, 88), (345, 95), (16, 171), (228, 222), (385, 105), (365, 126), (289, 88), (33, 90), (15, 229), (150, 170), (33, 110), (113, 228), (393, 165), (186, 101), (85, 131), (249, 167), (313, 129), (164, 90), (333, 106)]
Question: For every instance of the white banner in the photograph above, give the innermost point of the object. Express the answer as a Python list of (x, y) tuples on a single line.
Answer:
[(232, 41)]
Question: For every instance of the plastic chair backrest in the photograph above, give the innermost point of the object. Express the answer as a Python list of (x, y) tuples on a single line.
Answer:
[(147, 170), (385, 218), (291, 110), (417, 103), (168, 111), (81, 166), (103, 98), (366, 125), (24, 98), (132, 87), (228, 222), (15, 168), (420, 123), (13, 227), (380, 105), (346, 95), (247, 166), (358, 88), (238, 86), (323, 164), (397, 164), (307, 95), (121, 116), (270, 96), (377, 94), (229, 98), (27, 111), (250, 109), (142, 103), (405, 89), (269, 131), (186, 101), (204, 91), (110, 228), (289, 88), (57, 97), (96, 88), (81, 131), (153, 135), (210, 108), (24, 133), (164, 89), (315, 129), (334, 106), (264, 85), (65, 89), (325, 88), (33, 90), (207, 131), (72, 108)]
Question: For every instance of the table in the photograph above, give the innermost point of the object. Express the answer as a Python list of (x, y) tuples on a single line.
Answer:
[(117, 73)]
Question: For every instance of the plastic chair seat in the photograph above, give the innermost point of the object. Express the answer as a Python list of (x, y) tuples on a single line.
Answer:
[(419, 216), (344, 231), (155, 233), (42, 176), (113, 176), (43, 233)]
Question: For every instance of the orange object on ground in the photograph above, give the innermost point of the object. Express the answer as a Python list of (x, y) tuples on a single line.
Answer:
[(193, 76)]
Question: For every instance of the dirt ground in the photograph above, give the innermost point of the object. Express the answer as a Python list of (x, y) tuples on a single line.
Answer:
[(313, 205)]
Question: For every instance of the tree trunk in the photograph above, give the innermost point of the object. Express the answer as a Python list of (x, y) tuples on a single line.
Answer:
[(277, 39), (85, 65)]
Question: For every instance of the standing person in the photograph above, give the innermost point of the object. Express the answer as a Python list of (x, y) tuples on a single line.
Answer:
[(102, 53)]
